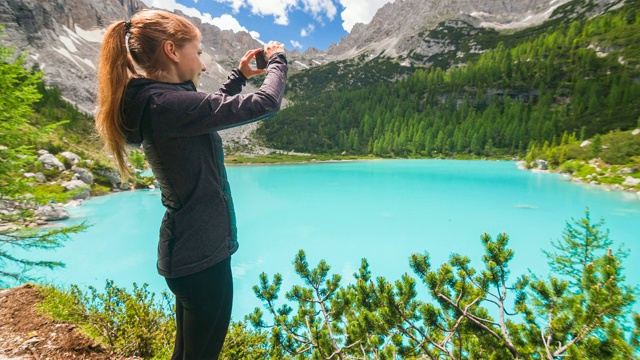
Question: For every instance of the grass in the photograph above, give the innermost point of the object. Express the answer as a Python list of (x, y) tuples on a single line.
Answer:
[(60, 305)]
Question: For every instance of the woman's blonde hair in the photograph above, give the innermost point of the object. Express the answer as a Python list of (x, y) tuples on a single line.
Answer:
[(144, 36)]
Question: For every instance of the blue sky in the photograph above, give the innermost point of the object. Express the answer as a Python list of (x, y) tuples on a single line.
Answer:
[(299, 24)]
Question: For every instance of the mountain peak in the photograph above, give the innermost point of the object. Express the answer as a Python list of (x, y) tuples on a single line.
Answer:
[(393, 30)]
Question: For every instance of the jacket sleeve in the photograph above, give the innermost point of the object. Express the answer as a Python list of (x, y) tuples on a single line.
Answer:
[(234, 83), (192, 113)]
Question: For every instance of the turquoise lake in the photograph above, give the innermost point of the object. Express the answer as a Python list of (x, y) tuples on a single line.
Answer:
[(342, 212)]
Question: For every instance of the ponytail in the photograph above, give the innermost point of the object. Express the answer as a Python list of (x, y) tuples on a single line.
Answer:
[(147, 31), (114, 70)]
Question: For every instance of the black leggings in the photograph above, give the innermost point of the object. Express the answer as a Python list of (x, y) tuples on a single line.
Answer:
[(203, 312)]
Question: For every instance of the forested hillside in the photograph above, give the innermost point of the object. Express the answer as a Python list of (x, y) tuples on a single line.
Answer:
[(575, 80)]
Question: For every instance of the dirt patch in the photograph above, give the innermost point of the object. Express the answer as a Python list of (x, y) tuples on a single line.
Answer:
[(25, 334)]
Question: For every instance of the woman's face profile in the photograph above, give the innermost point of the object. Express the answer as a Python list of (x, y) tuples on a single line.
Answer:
[(190, 65)]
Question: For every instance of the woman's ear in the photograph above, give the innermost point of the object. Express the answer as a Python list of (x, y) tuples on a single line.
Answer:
[(169, 49)]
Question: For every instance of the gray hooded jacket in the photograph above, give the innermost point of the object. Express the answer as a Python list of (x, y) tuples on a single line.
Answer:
[(177, 127)]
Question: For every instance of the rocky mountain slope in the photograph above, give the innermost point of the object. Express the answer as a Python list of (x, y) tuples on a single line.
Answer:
[(393, 30), (404, 29)]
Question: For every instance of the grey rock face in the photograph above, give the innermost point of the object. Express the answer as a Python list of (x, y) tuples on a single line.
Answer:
[(83, 174), (71, 157), (40, 178), (631, 181), (395, 28), (52, 212), (540, 164), (51, 162), (112, 175), (73, 184), (82, 194)]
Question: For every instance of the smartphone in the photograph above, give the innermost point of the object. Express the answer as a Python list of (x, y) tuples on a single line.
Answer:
[(261, 60)]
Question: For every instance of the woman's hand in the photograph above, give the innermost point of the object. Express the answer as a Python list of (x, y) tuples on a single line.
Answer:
[(271, 48), (244, 66)]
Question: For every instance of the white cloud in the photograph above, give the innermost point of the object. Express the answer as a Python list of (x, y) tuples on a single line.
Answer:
[(307, 31), (224, 22), (228, 22), (280, 9), (358, 11), (317, 7), (296, 44), (256, 36)]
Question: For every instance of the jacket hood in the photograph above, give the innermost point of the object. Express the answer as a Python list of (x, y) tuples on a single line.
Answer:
[(137, 96)]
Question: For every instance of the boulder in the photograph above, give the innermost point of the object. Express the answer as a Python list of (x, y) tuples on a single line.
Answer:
[(112, 174), (585, 143), (7, 228), (635, 132), (52, 212), (631, 181), (73, 184), (42, 152), (83, 174), (540, 164), (71, 157), (77, 184), (41, 178), (51, 162), (82, 194)]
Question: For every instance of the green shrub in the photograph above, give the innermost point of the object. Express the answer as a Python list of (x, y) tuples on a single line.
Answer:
[(51, 174), (64, 161), (584, 171), (60, 304), (617, 179), (54, 147), (51, 192), (128, 323), (137, 159), (97, 190), (134, 323), (34, 167), (82, 164), (571, 166), (101, 180)]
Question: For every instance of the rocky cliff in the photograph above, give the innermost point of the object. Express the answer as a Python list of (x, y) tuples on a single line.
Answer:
[(393, 30)]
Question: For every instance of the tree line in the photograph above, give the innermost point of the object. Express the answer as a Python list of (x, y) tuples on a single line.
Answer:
[(507, 101)]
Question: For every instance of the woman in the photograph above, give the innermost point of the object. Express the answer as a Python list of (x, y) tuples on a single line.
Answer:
[(177, 126)]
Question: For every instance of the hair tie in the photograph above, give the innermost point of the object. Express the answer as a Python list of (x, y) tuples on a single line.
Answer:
[(127, 27)]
